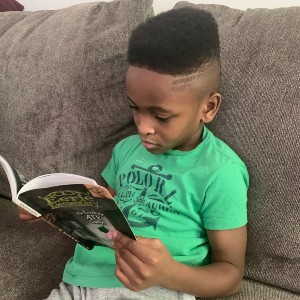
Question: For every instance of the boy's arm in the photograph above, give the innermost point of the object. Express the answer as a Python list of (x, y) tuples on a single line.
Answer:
[(146, 262)]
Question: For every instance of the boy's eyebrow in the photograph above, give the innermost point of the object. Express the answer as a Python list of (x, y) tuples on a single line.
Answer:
[(154, 108)]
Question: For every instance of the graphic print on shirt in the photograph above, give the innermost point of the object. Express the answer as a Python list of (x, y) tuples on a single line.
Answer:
[(144, 194)]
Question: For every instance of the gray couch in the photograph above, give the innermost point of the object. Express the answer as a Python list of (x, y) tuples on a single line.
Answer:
[(63, 108)]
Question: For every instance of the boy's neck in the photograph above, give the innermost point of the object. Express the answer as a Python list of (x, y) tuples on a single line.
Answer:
[(193, 142)]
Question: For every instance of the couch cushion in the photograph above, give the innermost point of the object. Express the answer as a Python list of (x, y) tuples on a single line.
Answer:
[(4, 185), (62, 91), (32, 256), (253, 290), (259, 118), (63, 107)]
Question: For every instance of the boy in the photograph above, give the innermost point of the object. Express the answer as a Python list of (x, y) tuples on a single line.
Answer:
[(183, 190)]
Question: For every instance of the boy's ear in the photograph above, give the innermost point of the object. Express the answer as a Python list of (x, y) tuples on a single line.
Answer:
[(212, 105)]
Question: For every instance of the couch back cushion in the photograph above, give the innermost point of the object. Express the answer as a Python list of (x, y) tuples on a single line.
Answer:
[(62, 91), (63, 107), (259, 119)]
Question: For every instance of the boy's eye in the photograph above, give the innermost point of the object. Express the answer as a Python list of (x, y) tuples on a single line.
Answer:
[(162, 119), (133, 107), (159, 118)]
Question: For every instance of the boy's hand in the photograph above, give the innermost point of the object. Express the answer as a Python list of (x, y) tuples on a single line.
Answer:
[(142, 263), (25, 215)]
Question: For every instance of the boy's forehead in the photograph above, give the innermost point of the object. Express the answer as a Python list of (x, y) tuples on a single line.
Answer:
[(144, 81), (160, 88), (166, 80)]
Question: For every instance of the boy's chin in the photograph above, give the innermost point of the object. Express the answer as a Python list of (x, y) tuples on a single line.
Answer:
[(157, 150)]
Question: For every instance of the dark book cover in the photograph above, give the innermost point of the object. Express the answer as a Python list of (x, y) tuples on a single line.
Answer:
[(80, 211)]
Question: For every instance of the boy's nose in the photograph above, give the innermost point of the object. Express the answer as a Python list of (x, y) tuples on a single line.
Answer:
[(144, 125)]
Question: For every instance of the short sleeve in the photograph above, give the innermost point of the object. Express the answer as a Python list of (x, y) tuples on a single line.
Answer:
[(225, 203)]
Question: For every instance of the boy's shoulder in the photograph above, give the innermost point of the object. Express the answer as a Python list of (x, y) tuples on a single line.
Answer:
[(220, 150), (223, 162)]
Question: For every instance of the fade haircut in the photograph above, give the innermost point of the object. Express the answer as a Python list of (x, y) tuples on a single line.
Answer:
[(178, 42)]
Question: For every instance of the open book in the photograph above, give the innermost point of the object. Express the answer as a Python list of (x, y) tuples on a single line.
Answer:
[(74, 204)]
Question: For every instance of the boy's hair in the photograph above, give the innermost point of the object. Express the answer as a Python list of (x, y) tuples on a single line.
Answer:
[(177, 42)]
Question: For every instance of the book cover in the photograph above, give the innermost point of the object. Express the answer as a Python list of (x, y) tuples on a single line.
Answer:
[(83, 211)]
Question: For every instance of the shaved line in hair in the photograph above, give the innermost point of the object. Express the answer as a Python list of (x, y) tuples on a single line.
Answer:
[(208, 75)]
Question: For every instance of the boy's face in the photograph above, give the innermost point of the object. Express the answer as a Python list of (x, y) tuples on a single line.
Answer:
[(167, 117)]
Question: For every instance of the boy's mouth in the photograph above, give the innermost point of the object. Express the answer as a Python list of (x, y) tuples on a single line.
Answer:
[(149, 145)]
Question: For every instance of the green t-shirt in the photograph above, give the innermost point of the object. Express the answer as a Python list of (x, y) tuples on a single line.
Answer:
[(174, 196)]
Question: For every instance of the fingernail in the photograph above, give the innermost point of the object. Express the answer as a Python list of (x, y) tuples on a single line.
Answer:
[(109, 235), (112, 235)]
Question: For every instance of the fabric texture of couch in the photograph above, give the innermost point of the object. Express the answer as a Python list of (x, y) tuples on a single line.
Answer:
[(64, 107)]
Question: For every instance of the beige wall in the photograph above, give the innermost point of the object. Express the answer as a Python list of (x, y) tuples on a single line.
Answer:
[(161, 5)]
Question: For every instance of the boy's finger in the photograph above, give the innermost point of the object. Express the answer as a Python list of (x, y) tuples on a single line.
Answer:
[(125, 241), (139, 248), (27, 217)]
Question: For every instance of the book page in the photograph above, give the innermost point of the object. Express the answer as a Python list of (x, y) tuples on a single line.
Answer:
[(55, 179), (15, 179)]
